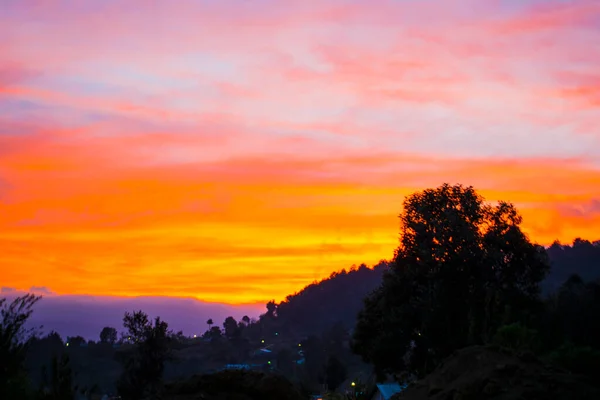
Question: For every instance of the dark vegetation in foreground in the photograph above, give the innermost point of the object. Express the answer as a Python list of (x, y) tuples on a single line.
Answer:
[(463, 275), (482, 373), (239, 385)]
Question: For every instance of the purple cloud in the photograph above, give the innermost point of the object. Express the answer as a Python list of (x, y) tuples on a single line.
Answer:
[(40, 290)]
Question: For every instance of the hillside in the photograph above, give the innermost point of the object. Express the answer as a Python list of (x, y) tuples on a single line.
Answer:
[(336, 299), (482, 373), (339, 297)]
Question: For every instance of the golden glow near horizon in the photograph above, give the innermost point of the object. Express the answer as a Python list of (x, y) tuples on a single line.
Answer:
[(241, 168)]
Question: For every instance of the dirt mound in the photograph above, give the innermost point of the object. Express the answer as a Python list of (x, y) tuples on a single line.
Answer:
[(233, 385), (482, 373)]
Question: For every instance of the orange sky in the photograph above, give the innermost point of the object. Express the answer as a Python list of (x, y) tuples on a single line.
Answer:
[(141, 158)]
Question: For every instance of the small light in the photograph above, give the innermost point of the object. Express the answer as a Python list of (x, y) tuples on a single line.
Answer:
[(262, 341), (195, 336), (269, 362), (276, 334), (353, 384), (67, 344), (299, 344)]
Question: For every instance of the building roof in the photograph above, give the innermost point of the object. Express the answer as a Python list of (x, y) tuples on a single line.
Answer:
[(387, 390)]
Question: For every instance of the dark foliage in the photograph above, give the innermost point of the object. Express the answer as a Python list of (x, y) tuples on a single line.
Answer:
[(14, 340), (339, 297), (571, 315), (582, 258), (463, 269), (58, 383), (143, 370), (76, 341), (137, 325), (40, 353), (322, 304), (231, 328), (215, 333), (482, 373), (234, 385), (108, 335)]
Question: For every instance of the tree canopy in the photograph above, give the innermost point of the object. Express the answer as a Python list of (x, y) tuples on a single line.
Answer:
[(108, 335), (462, 269), (142, 377)]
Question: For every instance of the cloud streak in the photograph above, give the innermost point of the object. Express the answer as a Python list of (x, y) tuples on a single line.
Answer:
[(235, 152)]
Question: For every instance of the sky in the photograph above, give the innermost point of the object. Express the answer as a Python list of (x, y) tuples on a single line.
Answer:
[(235, 151)]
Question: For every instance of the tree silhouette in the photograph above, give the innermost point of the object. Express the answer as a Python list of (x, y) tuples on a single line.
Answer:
[(214, 333), (14, 340), (209, 323), (572, 315), (76, 341), (581, 258), (142, 377), (271, 309), (463, 268), (108, 335), (137, 325), (230, 327)]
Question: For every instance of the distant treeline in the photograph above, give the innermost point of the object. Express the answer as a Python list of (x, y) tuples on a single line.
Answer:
[(581, 258)]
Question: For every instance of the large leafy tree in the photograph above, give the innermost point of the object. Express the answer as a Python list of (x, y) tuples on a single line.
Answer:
[(462, 269)]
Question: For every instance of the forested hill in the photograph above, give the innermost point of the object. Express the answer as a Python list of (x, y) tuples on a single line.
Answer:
[(333, 300), (339, 298), (581, 258)]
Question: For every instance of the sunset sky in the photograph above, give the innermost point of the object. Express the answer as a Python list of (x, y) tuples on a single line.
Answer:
[(235, 151)]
